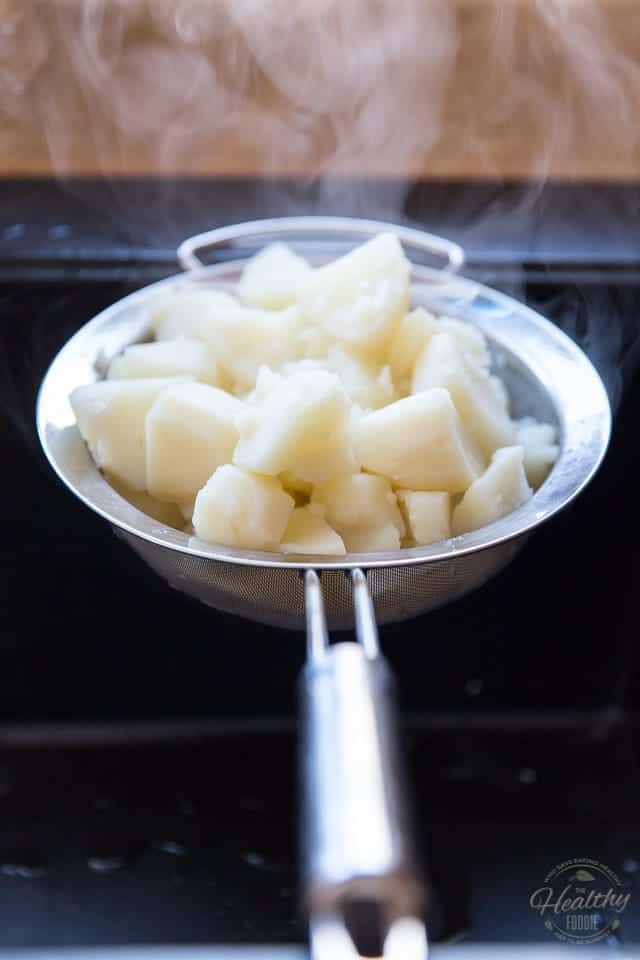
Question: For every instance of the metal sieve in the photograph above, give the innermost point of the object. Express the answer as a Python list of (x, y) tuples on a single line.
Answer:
[(356, 835)]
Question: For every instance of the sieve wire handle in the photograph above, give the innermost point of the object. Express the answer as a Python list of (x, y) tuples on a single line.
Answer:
[(357, 848), (309, 228)]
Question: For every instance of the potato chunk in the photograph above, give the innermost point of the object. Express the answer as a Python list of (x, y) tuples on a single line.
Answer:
[(273, 278), (111, 416), (185, 313), (300, 427), (308, 532), (190, 431), (373, 539), (239, 509), (243, 339), (502, 488), (442, 364), (540, 448), (360, 298), (419, 442), (360, 503), (469, 339), (415, 330), (427, 515), (165, 358)]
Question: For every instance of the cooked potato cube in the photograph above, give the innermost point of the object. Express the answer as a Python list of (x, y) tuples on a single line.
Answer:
[(165, 358), (236, 508), (308, 532), (364, 382), (273, 278), (111, 416), (186, 312), (190, 431), (502, 488), (540, 448), (301, 426), (361, 298), (243, 339), (357, 502), (372, 539), (415, 330), (419, 442), (427, 515), (469, 339), (442, 364)]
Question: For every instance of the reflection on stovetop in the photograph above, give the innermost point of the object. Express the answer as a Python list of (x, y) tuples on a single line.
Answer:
[(196, 843)]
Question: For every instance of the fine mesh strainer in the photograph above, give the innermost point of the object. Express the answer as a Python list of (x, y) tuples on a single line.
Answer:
[(356, 835)]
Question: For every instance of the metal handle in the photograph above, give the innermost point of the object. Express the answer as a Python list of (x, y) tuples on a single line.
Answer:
[(277, 228), (357, 848)]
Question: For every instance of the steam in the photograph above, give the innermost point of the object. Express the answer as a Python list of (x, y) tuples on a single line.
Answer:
[(325, 89)]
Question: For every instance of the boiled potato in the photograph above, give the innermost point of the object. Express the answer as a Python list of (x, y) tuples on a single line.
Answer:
[(470, 341), (359, 503), (237, 508), (308, 532), (273, 278), (441, 363), (419, 442), (415, 330), (373, 540), (301, 426), (190, 431), (166, 513), (111, 416), (165, 358), (502, 488), (243, 339), (364, 382), (427, 515), (360, 299), (540, 448), (186, 312)]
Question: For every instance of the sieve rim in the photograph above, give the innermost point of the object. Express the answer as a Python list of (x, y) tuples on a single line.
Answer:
[(559, 366)]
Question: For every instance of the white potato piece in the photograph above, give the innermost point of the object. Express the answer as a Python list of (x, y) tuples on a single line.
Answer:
[(359, 502), (165, 358), (427, 515), (500, 392), (237, 508), (190, 431), (540, 448), (372, 539), (367, 384), (308, 532), (360, 298), (301, 426), (111, 416), (502, 488), (419, 442), (441, 363), (243, 339), (469, 339), (273, 278), (415, 330), (166, 513), (186, 312)]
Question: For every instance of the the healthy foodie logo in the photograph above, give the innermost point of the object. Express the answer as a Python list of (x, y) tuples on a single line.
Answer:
[(581, 901)]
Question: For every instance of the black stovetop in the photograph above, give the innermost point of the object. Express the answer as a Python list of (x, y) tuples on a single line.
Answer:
[(146, 744)]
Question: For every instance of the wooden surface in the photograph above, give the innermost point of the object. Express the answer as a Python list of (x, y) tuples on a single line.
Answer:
[(427, 88)]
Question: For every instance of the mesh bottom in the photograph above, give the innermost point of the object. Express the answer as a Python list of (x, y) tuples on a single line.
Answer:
[(276, 596)]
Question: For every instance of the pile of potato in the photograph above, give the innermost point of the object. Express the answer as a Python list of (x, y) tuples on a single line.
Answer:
[(313, 413)]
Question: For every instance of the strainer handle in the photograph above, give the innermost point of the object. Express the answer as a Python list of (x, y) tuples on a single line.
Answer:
[(264, 231), (355, 830)]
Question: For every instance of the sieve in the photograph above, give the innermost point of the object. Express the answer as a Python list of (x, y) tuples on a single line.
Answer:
[(356, 834)]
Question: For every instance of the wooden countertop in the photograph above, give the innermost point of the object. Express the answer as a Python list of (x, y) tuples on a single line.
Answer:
[(470, 89)]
